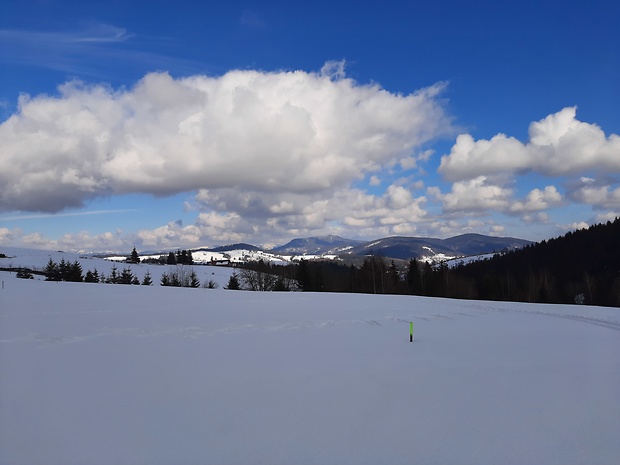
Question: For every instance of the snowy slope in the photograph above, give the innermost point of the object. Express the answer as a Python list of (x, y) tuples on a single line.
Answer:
[(102, 374)]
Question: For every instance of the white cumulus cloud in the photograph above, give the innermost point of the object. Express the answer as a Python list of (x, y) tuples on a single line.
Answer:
[(559, 145), (474, 195), (537, 200), (598, 193), (258, 132)]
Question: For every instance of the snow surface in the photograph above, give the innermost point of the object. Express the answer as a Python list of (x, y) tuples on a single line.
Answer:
[(113, 374)]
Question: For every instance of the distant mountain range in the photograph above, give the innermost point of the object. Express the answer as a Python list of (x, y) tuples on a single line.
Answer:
[(419, 247), (403, 248)]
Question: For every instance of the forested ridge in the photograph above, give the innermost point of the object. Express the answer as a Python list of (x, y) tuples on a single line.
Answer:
[(579, 267)]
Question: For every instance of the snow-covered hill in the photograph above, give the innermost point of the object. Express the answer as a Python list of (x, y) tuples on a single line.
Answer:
[(101, 374)]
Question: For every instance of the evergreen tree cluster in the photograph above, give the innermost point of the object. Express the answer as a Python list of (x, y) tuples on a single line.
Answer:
[(181, 257), (72, 272), (63, 271), (376, 275)]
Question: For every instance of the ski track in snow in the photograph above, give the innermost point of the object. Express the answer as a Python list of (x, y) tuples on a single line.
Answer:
[(610, 324), (196, 332)]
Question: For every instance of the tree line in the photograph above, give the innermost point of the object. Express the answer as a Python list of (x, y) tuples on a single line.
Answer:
[(180, 276), (73, 272), (180, 257)]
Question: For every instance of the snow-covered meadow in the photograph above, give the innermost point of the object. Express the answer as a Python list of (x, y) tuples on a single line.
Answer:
[(112, 374)]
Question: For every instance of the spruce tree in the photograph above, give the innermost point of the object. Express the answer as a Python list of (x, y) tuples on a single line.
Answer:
[(303, 276), (194, 282), (414, 277), (147, 280), (63, 270), (393, 281), (74, 272), (52, 273), (113, 278), (174, 279), (89, 278), (233, 283), (126, 276), (134, 257)]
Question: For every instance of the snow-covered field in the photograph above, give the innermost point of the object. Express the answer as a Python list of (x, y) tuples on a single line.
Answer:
[(113, 374)]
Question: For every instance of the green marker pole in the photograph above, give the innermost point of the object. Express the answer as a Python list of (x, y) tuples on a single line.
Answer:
[(411, 331)]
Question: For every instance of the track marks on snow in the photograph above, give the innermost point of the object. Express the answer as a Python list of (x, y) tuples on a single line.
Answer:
[(201, 331)]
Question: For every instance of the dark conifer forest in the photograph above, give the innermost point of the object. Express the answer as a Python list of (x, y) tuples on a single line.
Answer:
[(579, 267)]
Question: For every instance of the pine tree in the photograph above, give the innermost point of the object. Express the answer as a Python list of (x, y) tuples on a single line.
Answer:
[(134, 257), (210, 285), (89, 278), (126, 276), (113, 278), (303, 276), (174, 279), (147, 281), (74, 272), (233, 283), (414, 277), (52, 273), (194, 282), (393, 279), (172, 259), (63, 269)]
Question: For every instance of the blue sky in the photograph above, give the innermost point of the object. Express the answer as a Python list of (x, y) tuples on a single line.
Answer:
[(167, 124)]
